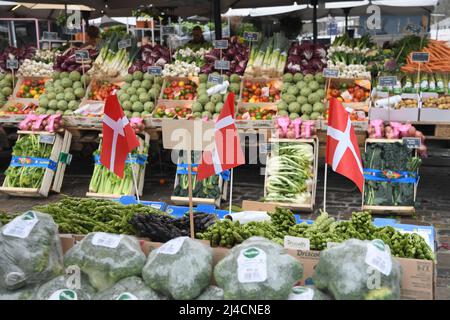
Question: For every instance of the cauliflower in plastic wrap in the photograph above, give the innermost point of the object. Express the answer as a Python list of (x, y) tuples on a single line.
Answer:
[(106, 258), (30, 251), (181, 268), (307, 293), (211, 293), (75, 287), (24, 293), (257, 269), (132, 288), (359, 270)]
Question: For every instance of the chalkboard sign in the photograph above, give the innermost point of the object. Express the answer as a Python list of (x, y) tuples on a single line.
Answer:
[(330, 73), (411, 143), (420, 57), (220, 44), (12, 64), (46, 138), (155, 70), (251, 36), (124, 44), (168, 30), (216, 79), (389, 81), (222, 65), (82, 56), (50, 35), (71, 31)]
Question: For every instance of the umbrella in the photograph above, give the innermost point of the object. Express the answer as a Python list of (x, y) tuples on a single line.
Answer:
[(198, 18), (106, 21)]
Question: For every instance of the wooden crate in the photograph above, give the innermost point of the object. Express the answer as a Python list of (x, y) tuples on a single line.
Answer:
[(400, 210), (296, 206), (137, 169), (19, 82), (52, 179)]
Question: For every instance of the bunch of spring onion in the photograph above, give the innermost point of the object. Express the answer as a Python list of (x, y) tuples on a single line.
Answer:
[(290, 173), (113, 62)]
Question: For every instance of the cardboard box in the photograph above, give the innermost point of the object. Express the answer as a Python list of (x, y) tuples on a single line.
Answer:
[(433, 114), (379, 113)]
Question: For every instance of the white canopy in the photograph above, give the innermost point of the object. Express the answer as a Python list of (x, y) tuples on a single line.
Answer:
[(131, 21), (267, 11)]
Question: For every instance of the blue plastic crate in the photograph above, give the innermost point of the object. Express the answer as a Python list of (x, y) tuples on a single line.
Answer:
[(126, 200)]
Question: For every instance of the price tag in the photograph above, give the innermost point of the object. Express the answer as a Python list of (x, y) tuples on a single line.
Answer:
[(47, 138), (420, 57), (331, 73), (155, 70), (251, 36), (390, 81), (173, 246), (126, 296), (222, 65), (301, 293), (379, 257), (12, 64), (49, 35), (252, 265), (123, 44), (215, 78), (221, 44), (411, 143), (168, 30), (265, 91), (82, 56), (107, 240), (21, 226), (63, 294), (296, 243)]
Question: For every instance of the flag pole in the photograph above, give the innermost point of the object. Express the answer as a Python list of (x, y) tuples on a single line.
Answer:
[(231, 192), (191, 213), (325, 188), (134, 179)]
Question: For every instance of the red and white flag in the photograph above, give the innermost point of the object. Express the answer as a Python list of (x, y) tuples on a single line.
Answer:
[(227, 152), (342, 146), (118, 137)]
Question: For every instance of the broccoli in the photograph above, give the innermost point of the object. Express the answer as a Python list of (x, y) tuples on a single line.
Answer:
[(278, 271), (24, 293), (131, 288), (343, 272), (105, 265), (180, 268), (211, 293), (62, 288), (30, 251), (307, 293)]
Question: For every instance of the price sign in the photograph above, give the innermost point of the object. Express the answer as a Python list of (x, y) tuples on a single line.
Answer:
[(82, 56), (50, 35), (155, 70), (251, 36), (221, 44), (420, 57), (71, 31), (330, 73), (168, 29), (411, 143), (12, 64), (124, 44), (222, 65), (47, 138), (387, 81), (214, 78)]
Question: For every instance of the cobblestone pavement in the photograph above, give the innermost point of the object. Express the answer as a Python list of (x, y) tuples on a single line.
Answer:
[(433, 199)]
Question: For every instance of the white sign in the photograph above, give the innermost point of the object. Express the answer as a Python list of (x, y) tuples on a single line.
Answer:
[(124, 44), (296, 243), (108, 240), (173, 246), (252, 265), (378, 256), (21, 226)]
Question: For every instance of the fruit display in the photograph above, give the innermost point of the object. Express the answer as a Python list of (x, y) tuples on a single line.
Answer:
[(31, 89), (306, 58), (407, 103), (20, 108), (100, 90), (302, 96), (6, 87), (256, 91), (181, 89), (359, 91), (139, 94), (257, 113), (63, 93), (31, 68), (210, 105), (438, 103)]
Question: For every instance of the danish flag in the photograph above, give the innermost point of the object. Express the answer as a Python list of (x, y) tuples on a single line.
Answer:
[(118, 137), (342, 146), (227, 152)]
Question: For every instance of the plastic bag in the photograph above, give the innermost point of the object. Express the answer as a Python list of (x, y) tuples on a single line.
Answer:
[(180, 268), (211, 293), (30, 251), (307, 293), (107, 258), (24, 293), (132, 288), (66, 288)]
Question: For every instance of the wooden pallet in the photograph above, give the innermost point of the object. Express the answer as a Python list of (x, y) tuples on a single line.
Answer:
[(298, 206), (52, 179)]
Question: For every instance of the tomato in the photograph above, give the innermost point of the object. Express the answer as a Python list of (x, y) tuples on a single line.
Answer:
[(248, 84), (174, 84), (254, 87)]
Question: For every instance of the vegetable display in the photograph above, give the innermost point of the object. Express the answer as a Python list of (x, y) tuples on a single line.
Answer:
[(439, 58), (359, 91), (149, 55), (45, 56), (211, 293), (307, 293), (343, 271), (290, 173), (170, 268), (181, 69), (15, 53), (6, 87), (192, 54), (31, 68), (19, 108), (57, 289), (302, 96), (306, 58), (442, 103), (179, 90), (31, 89), (100, 90), (67, 61), (261, 91), (27, 176), (131, 288)]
